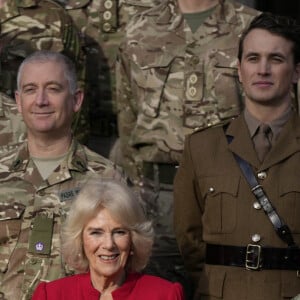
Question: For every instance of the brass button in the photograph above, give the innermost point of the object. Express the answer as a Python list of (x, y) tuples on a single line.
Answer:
[(193, 78), (256, 205), (192, 91), (108, 4), (107, 15), (262, 175), (255, 238)]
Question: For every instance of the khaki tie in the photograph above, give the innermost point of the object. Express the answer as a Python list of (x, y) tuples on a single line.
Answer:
[(262, 141)]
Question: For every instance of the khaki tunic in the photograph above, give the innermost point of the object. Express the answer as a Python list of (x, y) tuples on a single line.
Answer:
[(214, 204), (24, 196)]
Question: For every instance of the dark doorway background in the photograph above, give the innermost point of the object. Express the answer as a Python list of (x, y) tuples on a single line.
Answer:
[(281, 7)]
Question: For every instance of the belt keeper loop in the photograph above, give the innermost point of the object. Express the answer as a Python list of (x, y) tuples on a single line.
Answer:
[(298, 273)]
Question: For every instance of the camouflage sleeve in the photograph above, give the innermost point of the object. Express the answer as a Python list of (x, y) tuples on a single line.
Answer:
[(126, 112), (73, 43), (12, 127)]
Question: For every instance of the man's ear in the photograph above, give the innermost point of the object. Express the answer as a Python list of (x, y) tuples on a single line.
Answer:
[(78, 100), (296, 75), (18, 101), (239, 71)]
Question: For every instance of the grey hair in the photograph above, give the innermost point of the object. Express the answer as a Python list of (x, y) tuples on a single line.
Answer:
[(46, 56), (123, 205)]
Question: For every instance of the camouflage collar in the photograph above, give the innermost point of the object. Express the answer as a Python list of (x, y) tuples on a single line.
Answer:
[(76, 160), (169, 12)]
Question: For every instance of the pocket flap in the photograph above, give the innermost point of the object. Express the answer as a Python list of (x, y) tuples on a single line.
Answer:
[(289, 184), (217, 184), (10, 211)]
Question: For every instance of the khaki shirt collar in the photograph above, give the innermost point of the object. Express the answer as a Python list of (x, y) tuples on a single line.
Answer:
[(276, 125)]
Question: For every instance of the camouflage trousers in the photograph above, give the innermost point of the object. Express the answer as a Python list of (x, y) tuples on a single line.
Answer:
[(166, 260)]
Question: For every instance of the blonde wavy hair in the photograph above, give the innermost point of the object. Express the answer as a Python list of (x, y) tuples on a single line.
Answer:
[(123, 205)]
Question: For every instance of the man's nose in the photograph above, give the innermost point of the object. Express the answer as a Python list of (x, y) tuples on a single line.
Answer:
[(264, 67), (42, 98)]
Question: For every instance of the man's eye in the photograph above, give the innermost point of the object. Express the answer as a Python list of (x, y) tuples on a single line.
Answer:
[(277, 59), (54, 89), (28, 90), (252, 58)]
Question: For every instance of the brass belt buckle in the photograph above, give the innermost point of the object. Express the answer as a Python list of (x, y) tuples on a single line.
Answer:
[(253, 257)]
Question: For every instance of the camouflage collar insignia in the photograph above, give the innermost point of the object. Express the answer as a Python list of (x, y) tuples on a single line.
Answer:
[(21, 159)]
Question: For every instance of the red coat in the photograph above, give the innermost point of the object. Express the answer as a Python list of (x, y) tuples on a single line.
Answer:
[(136, 286)]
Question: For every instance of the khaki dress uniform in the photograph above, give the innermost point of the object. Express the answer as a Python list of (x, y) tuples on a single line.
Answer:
[(214, 205)]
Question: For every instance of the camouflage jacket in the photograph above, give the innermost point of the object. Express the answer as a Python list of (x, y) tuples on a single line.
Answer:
[(30, 25), (102, 25), (12, 127), (30, 253), (171, 80)]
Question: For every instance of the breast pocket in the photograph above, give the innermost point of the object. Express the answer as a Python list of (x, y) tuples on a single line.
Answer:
[(220, 196), (10, 225), (289, 206), (150, 74), (225, 83)]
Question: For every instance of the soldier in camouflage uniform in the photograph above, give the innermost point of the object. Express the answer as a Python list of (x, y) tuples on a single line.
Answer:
[(35, 199), (176, 72), (102, 24), (12, 128), (27, 26)]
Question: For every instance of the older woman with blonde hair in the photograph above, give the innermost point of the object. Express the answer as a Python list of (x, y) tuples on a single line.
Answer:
[(108, 240)]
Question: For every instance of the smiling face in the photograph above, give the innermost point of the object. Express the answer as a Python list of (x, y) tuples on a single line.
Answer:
[(267, 69), (45, 100), (107, 246)]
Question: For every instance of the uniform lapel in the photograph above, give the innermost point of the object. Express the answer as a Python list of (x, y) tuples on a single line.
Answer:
[(287, 144)]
